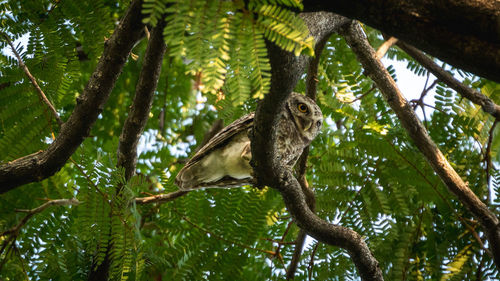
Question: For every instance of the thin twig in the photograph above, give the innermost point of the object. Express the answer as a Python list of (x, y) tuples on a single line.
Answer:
[(487, 159), (56, 202), (161, 198), (364, 94), (13, 232), (476, 97), (41, 94), (385, 47), (311, 262)]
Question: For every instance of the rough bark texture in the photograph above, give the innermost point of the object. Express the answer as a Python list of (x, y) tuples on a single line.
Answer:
[(417, 132), (463, 33), (285, 72), (144, 92), (89, 104)]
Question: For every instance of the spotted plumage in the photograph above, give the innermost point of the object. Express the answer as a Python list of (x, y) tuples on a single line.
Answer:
[(225, 160)]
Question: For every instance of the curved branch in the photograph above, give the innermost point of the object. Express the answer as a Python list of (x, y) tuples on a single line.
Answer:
[(144, 92), (43, 164), (462, 33), (286, 69), (377, 72), (56, 202)]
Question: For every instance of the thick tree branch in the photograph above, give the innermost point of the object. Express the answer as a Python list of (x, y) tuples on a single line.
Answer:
[(476, 97), (377, 72), (285, 72), (144, 92), (41, 94), (89, 104), (463, 33)]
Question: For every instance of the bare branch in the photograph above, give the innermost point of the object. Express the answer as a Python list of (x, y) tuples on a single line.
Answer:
[(144, 92), (385, 47), (377, 72), (476, 97), (43, 164), (161, 198), (487, 157), (41, 94), (56, 202)]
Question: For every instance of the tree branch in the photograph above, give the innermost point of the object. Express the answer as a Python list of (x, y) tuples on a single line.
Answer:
[(476, 97), (43, 164), (286, 69), (56, 202), (41, 94), (385, 47), (13, 232), (144, 92), (377, 72), (161, 198), (462, 33)]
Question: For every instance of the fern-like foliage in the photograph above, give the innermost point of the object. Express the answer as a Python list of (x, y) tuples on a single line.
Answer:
[(224, 40), (366, 173)]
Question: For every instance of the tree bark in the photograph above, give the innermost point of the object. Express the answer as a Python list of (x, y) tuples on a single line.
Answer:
[(463, 33)]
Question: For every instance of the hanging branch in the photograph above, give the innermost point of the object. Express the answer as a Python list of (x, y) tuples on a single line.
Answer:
[(377, 72), (474, 96), (41, 94), (43, 164), (286, 70)]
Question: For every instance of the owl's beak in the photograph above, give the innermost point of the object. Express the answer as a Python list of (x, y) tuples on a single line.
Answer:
[(306, 124)]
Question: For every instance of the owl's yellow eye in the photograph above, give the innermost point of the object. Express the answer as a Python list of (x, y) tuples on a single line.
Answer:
[(302, 107)]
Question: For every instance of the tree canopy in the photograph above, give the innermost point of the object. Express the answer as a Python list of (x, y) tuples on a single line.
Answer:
[(102, 102)]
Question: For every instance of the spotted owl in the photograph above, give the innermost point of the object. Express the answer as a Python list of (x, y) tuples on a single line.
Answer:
[(224, 161)]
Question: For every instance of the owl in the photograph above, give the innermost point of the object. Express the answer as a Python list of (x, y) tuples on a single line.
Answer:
[(224, 161)]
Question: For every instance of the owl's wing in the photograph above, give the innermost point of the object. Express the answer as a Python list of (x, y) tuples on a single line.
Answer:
[(219, 140), (222, 137)]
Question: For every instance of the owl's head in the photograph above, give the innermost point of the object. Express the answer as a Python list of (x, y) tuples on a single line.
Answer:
[(306, 115)]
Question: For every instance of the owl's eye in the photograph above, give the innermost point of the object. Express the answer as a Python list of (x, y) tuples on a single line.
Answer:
[(302, 107)]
